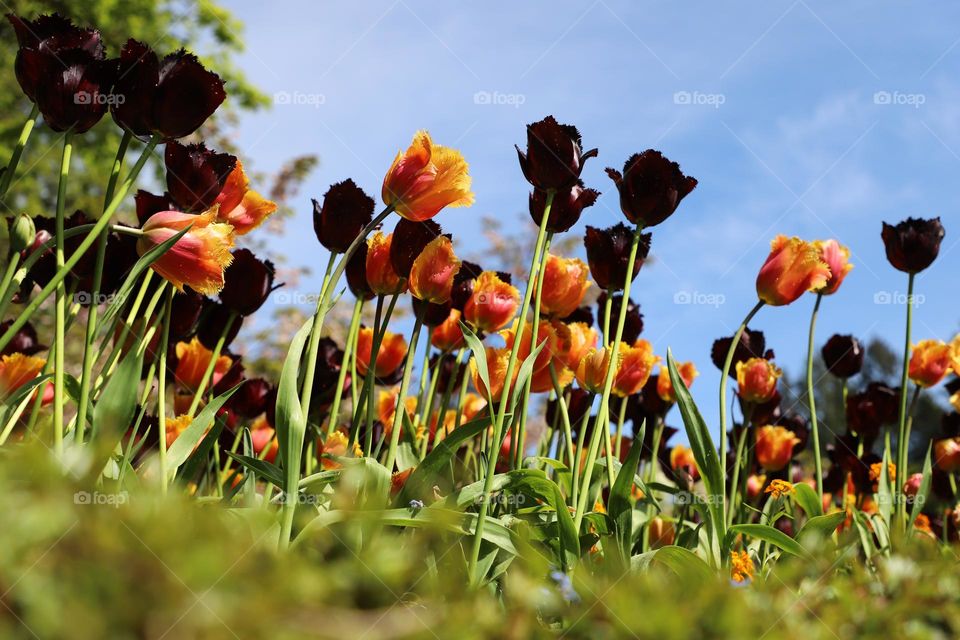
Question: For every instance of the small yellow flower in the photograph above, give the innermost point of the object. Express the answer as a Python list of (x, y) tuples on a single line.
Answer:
[(779, 488), (741, 566)]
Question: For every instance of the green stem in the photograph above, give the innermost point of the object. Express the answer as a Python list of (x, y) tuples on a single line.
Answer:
[(348, 348), (535, 265), (211, 366), (401, 409), (564, 413), (903, 445), (61, 301), (11, 169), (814, 424), (306, 391), (162, 391), (82, 248)]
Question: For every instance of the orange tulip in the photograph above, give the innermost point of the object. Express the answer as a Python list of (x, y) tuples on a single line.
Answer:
[(240, 206), (592, 370), (393, 349), (381, 277), (930, 362), (176, 426), (774, 447), (492, 304), (545, 336), (432, 273), (837, 258), (16, 370), (946, 454), (564, 285), (264, 439), (198, 258), (497, 360), (757, 380), (681, 458), (634, 369), (793, 267), (447, 335), (426, 178), (574, 340), (192, 361), (688, 372), (473, 405), (336, 445), (398, 479), (387, 408)]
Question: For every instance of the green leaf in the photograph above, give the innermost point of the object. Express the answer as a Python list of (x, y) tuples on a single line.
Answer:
[(772, 535), (115, 410), (523, 374), (923, 491), (619, 506), (884, 496), (291, 423), (267, 471), (539, 487), (479, 357), (806, 497), (187, 441), (199, 459), (823, 525), (682, 562)]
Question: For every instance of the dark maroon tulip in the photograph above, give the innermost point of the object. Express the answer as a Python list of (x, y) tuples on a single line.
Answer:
[(250, 400), (271, 406), (357, 274), (345, 211), (248, 282), (448, 369), (75, 90), (171, 97), (566, 208), (48, 35), (463, 283), (431, 314), (752, 345), (608, 253), (148, 204), (196, 175), (651, 187), (554, 157), (870, 409), (329, 361), (580, 314), (185, 314), (409, 240), (843, 355), (213, 322), (24, 341), (647, 404), (633, 325), (913, 244)]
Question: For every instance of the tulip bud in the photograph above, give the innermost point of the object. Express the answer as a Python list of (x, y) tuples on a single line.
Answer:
[(682, 459), (393, 350), (792, 268), (912, 245), (492, 304), (651, 187), (196, 175), (247, 283), (381, 276), (564, 285), (774, 447), (608, 252), (554, 157), (426, 178), (837, 258), (566, 208), (346, 210), (662, 533), (22, 233), (843, 356), (432, 272), (688, 372), (930, 362), (757, 380)]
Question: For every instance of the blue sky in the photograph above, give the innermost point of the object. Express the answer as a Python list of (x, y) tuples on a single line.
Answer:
[(819, 119)]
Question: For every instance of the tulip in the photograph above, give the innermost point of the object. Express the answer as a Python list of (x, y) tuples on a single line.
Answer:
[(176, 426), (793, 267), (217, 323), (192, 362), (868, 410), (264, 439), (357, 274), (755, 485), (592, 370), (241, 206), (564, 285), (171, 97), (387, 407), (757, 380), (196, 175), (837, 258), (955, 354), (250, 400), (843, 356), (432, 273), (546, 336), (633, 321), (634, 369), (492, 303), (335, 446), (566, 208), (651, 187), (912, 245), (682, 459), (247, 283), (185, 314), (426, 178), (24, 341), (608, 252), (774, 447), (409, 240), (688, 372), (930, 362), (554, 157), (346, 210), (662, 533), (55, 34), (393, 349), (752, 344), (946, 454), (381, 277), (447, 336), (198, 258), (327, 375), (16, 370), (574, 340), (497, 360)]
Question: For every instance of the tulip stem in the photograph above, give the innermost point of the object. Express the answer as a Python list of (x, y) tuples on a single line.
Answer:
[(728, 361), (370, 377), (811, 399), (564, 413), (535, 265), (212, 365), (94, 308), (162, 391), (348, 347), (903, 444), (602, 426), (84, 245), (401, 409), (61, 299), (306, 391), (7, 176)]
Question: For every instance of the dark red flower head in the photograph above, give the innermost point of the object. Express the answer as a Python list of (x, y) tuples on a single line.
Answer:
[(345, 211), (55, 34), (651, 187), (580, 314), (24, 341), (753, 344), (213, 323), (74, 90), (463, 284), (250, 400), (185, 314), (870, 409), (148, 204), (172, 97), (843, 355), (633, 325), (566, 207), (409, 240), (554, 157), (196, 175), (248, 282), (329, 361), (432, 314), (913, 244), (357, 274), (608, 252)]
